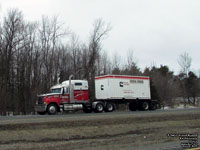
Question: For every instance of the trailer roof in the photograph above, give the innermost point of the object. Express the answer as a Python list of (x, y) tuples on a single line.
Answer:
[(122, 77)]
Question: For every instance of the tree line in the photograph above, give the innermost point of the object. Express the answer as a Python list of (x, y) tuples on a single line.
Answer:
[(35, 55)]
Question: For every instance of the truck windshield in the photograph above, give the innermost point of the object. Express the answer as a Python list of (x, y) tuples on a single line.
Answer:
[(56, 90)]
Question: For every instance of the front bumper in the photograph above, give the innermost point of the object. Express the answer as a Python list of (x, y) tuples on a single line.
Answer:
[(40, 107)]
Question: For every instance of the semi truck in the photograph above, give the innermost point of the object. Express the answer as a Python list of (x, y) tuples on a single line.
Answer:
[(110, 91)]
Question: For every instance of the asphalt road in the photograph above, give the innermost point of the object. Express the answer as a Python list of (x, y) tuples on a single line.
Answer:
[(85, 116)]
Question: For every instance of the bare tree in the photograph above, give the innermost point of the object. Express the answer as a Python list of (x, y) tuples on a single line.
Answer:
[(75, 49), (131, 68), (13, 26), (184, 61), (130, 60), (51, 32), (104, 64), (116, 62), (99, 32), (33, 56)]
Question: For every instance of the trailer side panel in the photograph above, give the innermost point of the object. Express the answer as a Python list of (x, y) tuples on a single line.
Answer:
[(122, 87)]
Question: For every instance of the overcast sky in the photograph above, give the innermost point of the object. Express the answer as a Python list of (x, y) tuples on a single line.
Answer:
[(157, 31)]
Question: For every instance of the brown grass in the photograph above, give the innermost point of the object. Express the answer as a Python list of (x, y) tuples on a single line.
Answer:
[(110, 133)]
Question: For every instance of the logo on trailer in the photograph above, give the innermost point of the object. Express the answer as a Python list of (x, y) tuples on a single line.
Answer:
[(121, 84)]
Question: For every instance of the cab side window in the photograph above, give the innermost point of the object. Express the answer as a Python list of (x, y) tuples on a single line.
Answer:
[(66, 90)]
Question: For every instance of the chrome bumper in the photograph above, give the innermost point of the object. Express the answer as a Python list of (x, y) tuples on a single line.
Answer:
[(40, 107)]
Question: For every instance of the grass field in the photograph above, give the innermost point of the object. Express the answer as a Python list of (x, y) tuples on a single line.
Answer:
[(118, 132)]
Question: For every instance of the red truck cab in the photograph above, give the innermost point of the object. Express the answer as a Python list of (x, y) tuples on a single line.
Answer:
[(68, 95)]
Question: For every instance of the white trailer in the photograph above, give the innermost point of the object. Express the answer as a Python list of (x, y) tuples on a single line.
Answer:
[(135, 90), (122, 87)]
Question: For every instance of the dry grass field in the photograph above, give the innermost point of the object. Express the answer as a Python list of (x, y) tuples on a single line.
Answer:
[(111, 133)]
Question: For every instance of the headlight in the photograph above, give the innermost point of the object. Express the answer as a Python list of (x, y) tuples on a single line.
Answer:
[(46, 103)]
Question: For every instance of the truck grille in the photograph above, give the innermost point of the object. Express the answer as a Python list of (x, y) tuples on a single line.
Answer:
[(40, 100)]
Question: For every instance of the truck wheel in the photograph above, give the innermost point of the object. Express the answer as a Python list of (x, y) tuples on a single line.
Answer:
[(132, 106), (42, 113), (145, 105), (52, 109), (87, 109), (153, 106), (109, 107), (99, 107)]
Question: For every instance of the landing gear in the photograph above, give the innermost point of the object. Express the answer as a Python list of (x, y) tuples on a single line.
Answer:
[(133, 106)]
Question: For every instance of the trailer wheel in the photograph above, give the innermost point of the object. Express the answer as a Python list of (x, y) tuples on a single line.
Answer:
[(109, 107), (153, 106), (145, 105), (52, 109), (99, 107), (133, 106)]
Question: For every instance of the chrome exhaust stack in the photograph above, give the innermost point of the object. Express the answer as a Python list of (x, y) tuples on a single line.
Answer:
[(71, 92)]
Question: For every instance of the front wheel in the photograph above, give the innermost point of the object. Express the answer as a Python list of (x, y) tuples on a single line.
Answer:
[(52, 109)]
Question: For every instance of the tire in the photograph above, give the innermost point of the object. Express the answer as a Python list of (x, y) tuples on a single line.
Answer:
[(110, 107), (145, 105), (99, 108), (132, 106), (42, 113), (52, 109), (87, 109), (153, 106)]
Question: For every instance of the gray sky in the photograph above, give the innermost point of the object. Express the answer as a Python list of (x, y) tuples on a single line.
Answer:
[(157, 31)]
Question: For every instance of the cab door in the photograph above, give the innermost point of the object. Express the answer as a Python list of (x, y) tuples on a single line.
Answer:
[(64, 98)]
